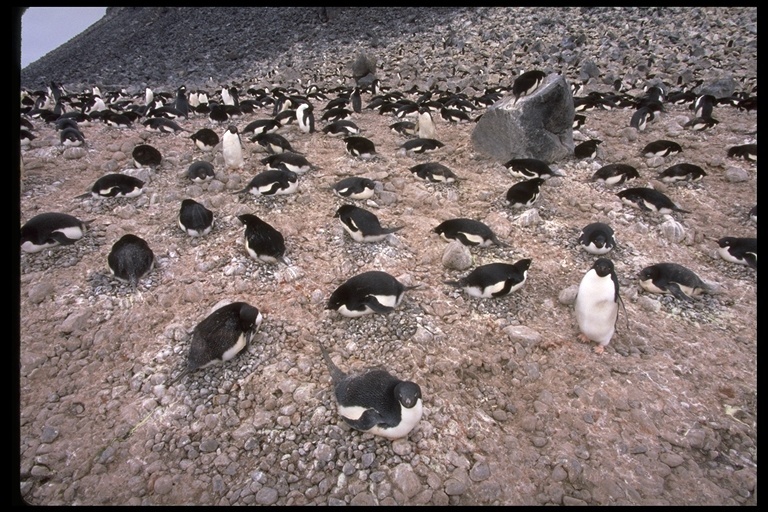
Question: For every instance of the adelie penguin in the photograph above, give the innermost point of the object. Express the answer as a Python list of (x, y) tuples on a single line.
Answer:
[(232, 148), (434, 172), (641, 118), (525, 193), (615, 174), (673, 279), (130, 259), (661, 148), (527, 83), (699, 124), (597, 238), (367, 293), (362, 225), (262, 241), (682, 172), (260, 126), (51, 229), (587, 149), (360, 147), (194, 218), (528, 168), (597, 304), (288, 161), (746, 152), (355, 187), (271, 183), (71, 137), (205, 139), (115, 185), (740, 250), (342, 128), (200, 171), (273, 143), (649, 200), (494, 279), (469, 232), (305, 118), (221, 335), (375, 401), (145, 155)]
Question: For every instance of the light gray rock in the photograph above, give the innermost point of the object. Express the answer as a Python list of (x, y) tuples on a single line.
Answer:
[(536, 126)]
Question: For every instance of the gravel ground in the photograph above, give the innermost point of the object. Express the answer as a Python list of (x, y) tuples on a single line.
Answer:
[(517, 411)]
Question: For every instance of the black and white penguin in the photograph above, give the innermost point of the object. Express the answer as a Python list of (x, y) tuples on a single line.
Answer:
[(272, 182), (116, 185), (672, 279), (494, 279), (418, 146), (336, 114), (406, 128), (615, 174), (741, 250), (221, 335), (232, 148), (305, 118), (641, 117), (205, 139), (528, 168), (355, 187), (181, 103), (145, 155), (745, 151), (366, 293), (288, 161), (342, 128), (425, 125), (71, 137), (200, 171), (469, 232), (700, 124), (597, 304), (587, 149), (454, 115), (162, 125), (194, 218), (661, 148), (434, 172), (273, 143), (262, 241), (703, 105), (681, 172), (649, 200), (362, 225), (753, 214), (360, 147), (130, 259), (527, 83), (260, 126), (373, 400), (50, 229), (597, 238), (525, 193)]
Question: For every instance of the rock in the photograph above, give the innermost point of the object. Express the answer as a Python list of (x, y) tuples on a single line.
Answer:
[(537, 126), (457, 256)]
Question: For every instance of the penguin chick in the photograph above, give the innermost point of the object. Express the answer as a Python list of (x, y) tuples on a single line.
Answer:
[(375, 401), (597, 304)]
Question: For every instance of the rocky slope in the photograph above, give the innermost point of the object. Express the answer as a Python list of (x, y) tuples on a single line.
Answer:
[(517, 411)]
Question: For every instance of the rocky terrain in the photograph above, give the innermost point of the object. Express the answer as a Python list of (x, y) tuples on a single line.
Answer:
[(517, 410)]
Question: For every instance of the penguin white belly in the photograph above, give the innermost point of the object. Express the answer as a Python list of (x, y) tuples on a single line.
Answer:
[(408, 420), (233, 153), (596, 308)]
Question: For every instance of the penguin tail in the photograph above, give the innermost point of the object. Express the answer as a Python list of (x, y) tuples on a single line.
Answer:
[(499, 242), (457, 284), (83, 196), (178, 377), (680, 210), (336, 374)]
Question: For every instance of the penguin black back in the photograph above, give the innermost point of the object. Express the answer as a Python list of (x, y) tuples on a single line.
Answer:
[(130, 259)]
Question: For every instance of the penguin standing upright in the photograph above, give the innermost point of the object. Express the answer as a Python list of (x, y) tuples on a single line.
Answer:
[(305, 118), (182, 103), (425, 124), (597, 304), (232, 148), (375, 401), (357, 101)]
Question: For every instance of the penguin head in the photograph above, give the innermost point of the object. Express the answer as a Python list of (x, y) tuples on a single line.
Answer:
[(603, 267), (408, 394), (250, 317), (344, 209)]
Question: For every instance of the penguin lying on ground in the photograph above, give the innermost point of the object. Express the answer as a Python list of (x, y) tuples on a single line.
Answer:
[(51, 229), (115, 185), (375, 401), (649, 200), (494, 279), (525, 193), (370, 292), (355, 187), (597, 238), (742, 251), (528, 168), (434, 172), (615, 174), (194, 218), (130, 259), (673, 279), (362, 225), (272, 182), (262, 241), (469, 232)]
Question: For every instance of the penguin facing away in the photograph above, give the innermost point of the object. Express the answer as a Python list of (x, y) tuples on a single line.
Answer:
[(649, 200), (525, 193), (597, 304), (130, 259), (194, 218), (375, 401), (220, 336)]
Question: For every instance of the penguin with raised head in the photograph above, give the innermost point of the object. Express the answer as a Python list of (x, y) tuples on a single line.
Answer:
[(51, 229), (262, 241), (740, 250), (597, 304), (362, 225), (305, 118), (221, 335), (181, 102), (373, 400), (130, 259), (232, 148), (370, 292), (425, 125), (194, 218), (494, 279), (597, 238)]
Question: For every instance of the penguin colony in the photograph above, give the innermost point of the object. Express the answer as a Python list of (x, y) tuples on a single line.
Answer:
[(291, 118)]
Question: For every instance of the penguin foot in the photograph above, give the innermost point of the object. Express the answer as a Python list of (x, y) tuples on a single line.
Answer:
[(583, 338), (599, 349)]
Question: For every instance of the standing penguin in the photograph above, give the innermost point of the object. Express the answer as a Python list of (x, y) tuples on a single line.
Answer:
[(597, 304), (130, 259), (305, 118), (182, 103), (221, 336), (375, 401), (425, 125), (232, 148), (357, 101)]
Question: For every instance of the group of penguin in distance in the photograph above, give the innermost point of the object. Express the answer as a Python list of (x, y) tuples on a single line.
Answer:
[(372, 399)]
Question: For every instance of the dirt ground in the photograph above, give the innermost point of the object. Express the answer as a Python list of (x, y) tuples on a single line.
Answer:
[(516, 408)]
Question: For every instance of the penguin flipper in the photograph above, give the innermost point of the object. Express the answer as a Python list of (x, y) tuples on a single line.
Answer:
[(61, 238), (677, 292), (375, 305), (369, 419)]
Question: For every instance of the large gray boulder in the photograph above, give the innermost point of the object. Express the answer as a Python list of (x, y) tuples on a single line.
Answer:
[(536, 126)]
